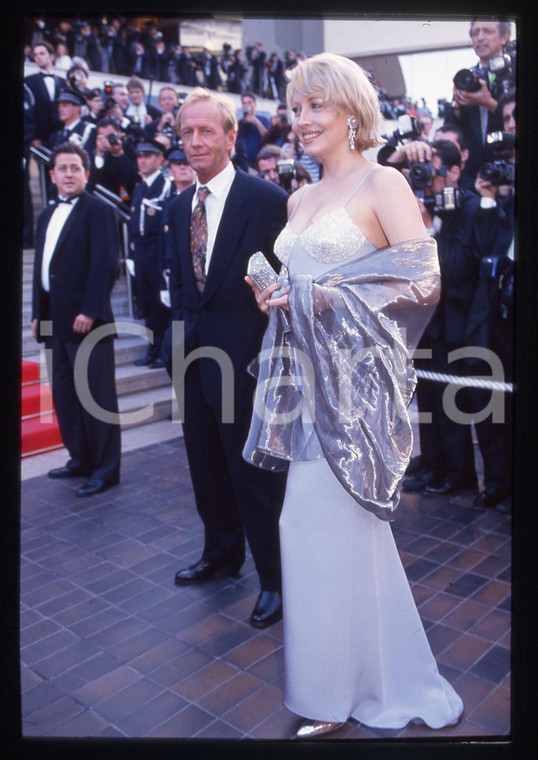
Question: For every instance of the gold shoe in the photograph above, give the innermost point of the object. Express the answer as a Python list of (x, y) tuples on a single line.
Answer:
[(313, 728)]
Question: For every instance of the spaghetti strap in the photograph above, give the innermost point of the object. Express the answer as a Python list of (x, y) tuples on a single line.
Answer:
[(301, 193), (361, 183)]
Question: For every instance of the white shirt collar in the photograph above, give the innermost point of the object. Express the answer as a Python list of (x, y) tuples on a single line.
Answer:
[(152, 177), (220, 182)]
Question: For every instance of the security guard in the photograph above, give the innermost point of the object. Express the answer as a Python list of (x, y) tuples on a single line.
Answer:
[(145, 229), (75, 129)]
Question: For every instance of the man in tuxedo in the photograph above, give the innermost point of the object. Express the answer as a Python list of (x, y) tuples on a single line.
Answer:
[(45, 86), (76, 264), (214, 228)]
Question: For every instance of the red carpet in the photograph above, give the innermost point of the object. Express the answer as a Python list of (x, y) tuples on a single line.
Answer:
[(40, 430)]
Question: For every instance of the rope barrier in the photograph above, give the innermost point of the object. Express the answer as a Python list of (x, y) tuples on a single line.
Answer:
[(473, 382)]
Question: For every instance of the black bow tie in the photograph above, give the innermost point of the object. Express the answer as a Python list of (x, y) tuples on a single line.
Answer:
[(68, 200)]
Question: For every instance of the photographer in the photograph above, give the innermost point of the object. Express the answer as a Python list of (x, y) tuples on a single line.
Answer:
[(490, 321), (266, 163), (475, 104), (417, 150), (112, 166), (168, 102), (252, 127), (280, 127), (447, 455)]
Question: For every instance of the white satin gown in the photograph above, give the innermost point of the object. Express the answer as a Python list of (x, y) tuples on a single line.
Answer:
[(354, 644)]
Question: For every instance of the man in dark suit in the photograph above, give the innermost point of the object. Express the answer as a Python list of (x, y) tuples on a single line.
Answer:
[(45, 86), (479, 112), (213, 310), (447, 454), (76, 263)]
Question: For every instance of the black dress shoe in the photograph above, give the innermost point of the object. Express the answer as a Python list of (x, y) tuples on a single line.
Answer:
[(144, 362), (95, 485), (67, 472), (450, 484), (491, 497), (204, 571), (415, 464), (419, 480), (268, 609), (156, 364)]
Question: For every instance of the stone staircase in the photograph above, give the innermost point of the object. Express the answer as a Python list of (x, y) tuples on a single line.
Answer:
[(144, 395)]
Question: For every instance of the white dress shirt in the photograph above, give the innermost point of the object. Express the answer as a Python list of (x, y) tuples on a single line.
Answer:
[(50, 84), (54, 228), (218, 187)]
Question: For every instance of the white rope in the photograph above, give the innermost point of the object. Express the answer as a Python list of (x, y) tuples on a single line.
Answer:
[(473, 382)]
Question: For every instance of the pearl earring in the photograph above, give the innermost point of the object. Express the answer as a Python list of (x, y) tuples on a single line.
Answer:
[(352, 131)]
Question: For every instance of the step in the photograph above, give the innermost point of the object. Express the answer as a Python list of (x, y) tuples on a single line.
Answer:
[(131, 379), (162, 402), (40, 434), (35, 399), (30, 371)]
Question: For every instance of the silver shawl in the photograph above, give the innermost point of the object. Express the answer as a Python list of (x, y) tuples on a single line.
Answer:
[(344, 349)]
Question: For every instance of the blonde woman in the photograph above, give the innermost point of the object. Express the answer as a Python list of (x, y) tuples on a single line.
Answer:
[(335, 377)]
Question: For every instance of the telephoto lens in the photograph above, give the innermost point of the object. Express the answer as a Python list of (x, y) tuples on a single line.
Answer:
[(466, 80)]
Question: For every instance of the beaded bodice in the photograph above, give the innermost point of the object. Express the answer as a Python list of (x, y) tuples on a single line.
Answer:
[(329, 240)]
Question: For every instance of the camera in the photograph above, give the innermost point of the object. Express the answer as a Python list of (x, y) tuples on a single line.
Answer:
[(421, 177), (107, 88), (503, 66), (469, 80), (498, 172), (286, 173), (168, 130), (246, 112), (409, 128), (498, 169), (113, 139)]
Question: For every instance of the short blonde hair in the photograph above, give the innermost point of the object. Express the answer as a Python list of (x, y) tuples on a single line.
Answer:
[(224, 103), (344, 85)]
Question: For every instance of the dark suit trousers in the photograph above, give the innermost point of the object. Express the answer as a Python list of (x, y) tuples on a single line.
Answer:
[(233, 498), (446, 445), (93, 445)]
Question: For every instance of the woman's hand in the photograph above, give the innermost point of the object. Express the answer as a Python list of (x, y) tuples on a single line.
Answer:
[(263, 296)]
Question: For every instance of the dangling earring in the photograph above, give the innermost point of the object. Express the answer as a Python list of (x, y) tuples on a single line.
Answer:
[(352, 131)]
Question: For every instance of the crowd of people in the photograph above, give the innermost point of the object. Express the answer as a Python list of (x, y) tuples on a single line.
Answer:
[(434, 233)]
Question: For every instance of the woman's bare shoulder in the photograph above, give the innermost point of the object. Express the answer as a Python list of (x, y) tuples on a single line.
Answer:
[(295, 199)]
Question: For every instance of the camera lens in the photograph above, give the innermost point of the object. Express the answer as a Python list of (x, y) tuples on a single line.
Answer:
[(466, 80)]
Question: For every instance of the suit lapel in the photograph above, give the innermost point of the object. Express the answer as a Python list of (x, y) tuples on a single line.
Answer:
[(69, 222), (229, 234)]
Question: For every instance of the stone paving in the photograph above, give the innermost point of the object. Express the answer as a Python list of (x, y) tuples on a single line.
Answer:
[(110, 647)]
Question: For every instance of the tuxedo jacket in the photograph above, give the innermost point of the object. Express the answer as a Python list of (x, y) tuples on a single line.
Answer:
[(225, 315), (83, 268), (45, 110)]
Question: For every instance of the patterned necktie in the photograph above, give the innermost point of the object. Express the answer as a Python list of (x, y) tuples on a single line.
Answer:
[(199, 239)]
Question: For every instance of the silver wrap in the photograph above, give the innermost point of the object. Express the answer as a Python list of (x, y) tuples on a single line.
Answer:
[(345, 349)]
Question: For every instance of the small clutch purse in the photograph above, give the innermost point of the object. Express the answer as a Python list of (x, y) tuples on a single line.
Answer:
[(261, 271)]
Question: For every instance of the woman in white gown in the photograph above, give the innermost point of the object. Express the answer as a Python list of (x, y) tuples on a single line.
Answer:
[(359, 272)]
